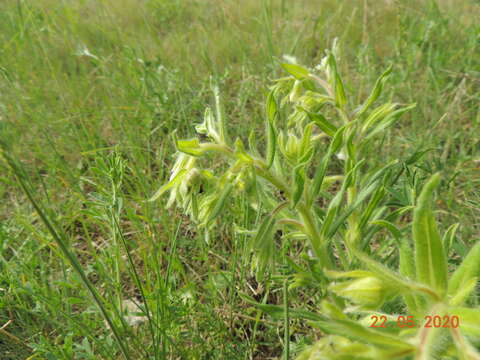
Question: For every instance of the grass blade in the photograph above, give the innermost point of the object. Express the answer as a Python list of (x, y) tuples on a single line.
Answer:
[(286, 334)]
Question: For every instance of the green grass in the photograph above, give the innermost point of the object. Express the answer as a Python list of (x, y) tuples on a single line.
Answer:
[(88, 88)]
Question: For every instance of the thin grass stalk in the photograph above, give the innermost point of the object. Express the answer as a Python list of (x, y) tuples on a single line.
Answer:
[(286, 335), (136, 278)]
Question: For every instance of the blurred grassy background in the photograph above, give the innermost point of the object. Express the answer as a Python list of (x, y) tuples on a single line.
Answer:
[(79, 79)]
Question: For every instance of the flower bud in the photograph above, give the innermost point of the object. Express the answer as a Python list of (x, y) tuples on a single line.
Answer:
[(368, 291)]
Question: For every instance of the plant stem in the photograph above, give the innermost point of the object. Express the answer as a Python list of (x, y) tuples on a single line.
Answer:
[(311, 229), (286, 321), (316, 240)]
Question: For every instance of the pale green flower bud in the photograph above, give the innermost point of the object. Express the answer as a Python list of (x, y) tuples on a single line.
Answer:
[(367, 291), (290, 147)]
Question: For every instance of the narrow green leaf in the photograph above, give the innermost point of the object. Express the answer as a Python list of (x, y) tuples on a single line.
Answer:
[(466, 350), (407, 269), (220, 203), (332, 311), (449, 237), (176, 180), (464, 292), (263, 243), (333, 274), (263, 230), (430, 260), (376, 92), (190, 147), (469, 268), (321, 121), (334, 205), (340, 97), (469, 320), (417, 156), (355, 331), (407, 264), (337, 141), (294, 96), (306, 141), (241, 153), (351, 149), (299, 184), (222, 137), (377, 114), (319, 176), (348, 211), (252, 143), (271, 143), (297, 71), (372, 205), (307, 156), (389, 120), (433, 341), (384, 173), (394, 230), (194, 203), (271, 107), (278, 312), (352, 172), (332, 211)]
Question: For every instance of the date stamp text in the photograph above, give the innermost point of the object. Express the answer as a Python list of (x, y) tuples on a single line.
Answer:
[(408, 321)]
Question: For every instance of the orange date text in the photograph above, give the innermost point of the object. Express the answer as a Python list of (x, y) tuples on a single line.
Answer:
[(408, 321)]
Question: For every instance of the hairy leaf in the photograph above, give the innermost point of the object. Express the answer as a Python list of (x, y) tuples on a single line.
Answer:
[(220, 203), (299, 184), (176, 180), (296, 71), (376, 92), (430, 260), (407, 269), (355, 331), (321, 121), (469, 318), (468, 269)]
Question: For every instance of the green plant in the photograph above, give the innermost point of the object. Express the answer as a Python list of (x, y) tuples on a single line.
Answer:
[(310, 131), (427, 297), (314, 182), (290, 184), (63, 111)]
